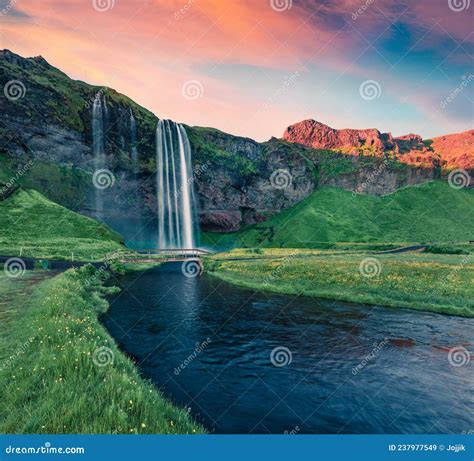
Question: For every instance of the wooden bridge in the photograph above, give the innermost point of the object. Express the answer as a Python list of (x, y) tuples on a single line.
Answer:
[(156, 255)]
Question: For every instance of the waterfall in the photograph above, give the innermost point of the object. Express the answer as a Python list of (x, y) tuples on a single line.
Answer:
[(175, 196), (133, 141), (139, 231), (98, 147)]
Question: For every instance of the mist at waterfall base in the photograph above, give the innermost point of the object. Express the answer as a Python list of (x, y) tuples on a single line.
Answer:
[(173, 224)]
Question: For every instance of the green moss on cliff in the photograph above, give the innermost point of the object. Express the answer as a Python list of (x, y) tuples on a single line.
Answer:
[(206, 151)]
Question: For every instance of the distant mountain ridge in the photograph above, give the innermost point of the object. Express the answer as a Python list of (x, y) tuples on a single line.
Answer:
[(448, 152)]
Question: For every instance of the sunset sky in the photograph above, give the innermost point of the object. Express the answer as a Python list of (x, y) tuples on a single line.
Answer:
[(264, 64)]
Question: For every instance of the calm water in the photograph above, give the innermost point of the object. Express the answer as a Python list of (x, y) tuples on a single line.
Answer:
[(207, 345)]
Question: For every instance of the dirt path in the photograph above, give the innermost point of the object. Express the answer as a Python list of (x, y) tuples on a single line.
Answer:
[(14, 291), (402, 250)]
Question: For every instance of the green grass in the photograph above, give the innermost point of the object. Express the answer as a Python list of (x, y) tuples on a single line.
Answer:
[(50, 383), (428, 213), (33, 226), (431, 282), (11, 290)]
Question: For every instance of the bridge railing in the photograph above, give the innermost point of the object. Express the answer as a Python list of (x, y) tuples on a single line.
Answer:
[(155, 253)]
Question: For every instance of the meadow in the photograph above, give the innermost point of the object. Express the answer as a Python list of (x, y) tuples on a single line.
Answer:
[(439, 283), (33, 226), (335, 218), (61, 372)]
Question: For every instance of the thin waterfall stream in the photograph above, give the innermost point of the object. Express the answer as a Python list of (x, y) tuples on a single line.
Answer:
[(98, 146)]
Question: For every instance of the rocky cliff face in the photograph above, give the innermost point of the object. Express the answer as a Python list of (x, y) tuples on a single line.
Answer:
[(240, 185), (320, 136), (456, 150), (237, 180), (446, 152)]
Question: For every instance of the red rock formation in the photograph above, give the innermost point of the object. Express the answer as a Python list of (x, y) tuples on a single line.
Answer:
[(450, 151), (456, 150), (320, 136)]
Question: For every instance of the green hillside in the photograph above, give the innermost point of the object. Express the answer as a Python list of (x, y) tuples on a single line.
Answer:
[(432, 212), (37, 227)]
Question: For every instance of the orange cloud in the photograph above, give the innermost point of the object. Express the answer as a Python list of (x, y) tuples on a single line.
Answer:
[(148, 48)]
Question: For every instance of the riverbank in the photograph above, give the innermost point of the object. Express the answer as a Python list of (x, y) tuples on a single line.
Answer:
[(429, 282), (63, 373)]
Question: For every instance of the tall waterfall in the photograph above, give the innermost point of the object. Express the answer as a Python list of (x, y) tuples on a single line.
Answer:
[(98, 146), (175, 195), (133, 139)]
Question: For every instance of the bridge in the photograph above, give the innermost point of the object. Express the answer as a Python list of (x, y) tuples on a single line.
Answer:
[(158, 255), (190, 255)]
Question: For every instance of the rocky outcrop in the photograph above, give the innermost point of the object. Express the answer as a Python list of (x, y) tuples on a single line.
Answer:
[(446, 152), (456, 150), (409, 142), (320, 136)]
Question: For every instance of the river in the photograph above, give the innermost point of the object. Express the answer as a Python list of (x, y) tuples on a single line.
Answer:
[(243, 361)]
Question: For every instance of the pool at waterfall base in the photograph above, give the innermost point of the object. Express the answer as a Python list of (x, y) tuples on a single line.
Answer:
[(244, 361)]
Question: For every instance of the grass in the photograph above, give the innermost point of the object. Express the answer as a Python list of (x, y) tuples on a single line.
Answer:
[(50, 381), (430, 282), (33, 226), (12, 289), (428, 213)]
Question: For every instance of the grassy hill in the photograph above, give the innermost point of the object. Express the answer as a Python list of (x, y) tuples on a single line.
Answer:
[(432, 212), (31, 223)]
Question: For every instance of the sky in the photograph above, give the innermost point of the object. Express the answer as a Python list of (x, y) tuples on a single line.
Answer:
[(254, 67)]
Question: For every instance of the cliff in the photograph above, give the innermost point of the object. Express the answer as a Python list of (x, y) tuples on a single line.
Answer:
[(446, 152), (46, 126)]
